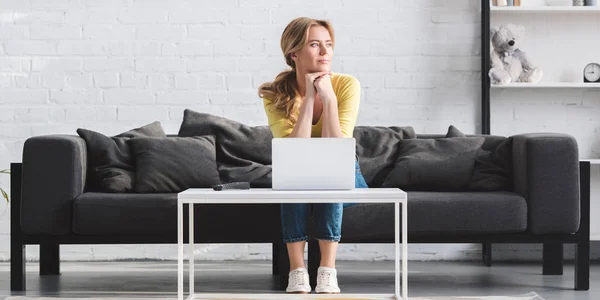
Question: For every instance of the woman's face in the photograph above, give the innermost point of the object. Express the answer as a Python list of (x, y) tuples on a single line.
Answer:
[(317, 52)]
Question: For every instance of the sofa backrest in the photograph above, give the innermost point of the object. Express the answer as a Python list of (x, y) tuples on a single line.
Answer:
[(373, 140), (376, 146)]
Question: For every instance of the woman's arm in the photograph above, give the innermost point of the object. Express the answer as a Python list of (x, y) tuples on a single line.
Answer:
[(331, 120), (340, 108), (303, 127)]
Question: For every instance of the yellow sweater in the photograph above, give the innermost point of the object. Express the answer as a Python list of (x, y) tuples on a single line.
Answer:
[(347, 92)]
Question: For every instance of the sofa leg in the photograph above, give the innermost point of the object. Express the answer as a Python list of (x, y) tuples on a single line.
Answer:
[(486, 254), (553, 259), (582, 266), (17, 266), (314, 260), (275, 259), (49, 259), (283, 266)]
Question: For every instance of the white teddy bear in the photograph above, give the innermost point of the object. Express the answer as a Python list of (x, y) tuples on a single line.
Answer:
[(508, 63)]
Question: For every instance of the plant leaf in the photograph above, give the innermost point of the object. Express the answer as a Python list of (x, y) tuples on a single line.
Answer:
[(7, 171), (4, 194)]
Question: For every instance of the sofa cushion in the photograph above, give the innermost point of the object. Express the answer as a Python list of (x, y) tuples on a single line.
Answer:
[(444, 164), (440, 213), (111, 166), (454, 132), (132, 214), (493, 168), (376, 149), (174, 164), (243, 152)]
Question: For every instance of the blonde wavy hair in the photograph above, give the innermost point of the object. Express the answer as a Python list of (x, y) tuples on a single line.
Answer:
[(283, 91)]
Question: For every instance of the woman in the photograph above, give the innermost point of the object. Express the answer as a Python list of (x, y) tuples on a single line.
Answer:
[(311, 101)]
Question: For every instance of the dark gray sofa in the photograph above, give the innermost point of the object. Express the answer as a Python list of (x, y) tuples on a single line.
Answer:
[(546, 204)]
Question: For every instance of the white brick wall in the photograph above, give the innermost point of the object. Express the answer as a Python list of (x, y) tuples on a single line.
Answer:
[(114, 65)]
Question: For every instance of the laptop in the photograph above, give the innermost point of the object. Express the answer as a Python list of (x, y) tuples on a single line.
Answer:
[(313, 163)]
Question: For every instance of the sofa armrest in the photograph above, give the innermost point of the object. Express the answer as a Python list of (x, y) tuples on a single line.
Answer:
[(54, 174), (546, 174)]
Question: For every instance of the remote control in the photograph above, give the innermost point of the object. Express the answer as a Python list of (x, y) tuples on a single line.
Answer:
[(232, 186)]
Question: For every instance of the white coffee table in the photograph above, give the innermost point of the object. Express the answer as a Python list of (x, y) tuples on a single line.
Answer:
[(262, 196)]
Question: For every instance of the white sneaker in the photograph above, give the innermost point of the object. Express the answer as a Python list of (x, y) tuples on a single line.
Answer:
[(327, 281), (298, 282)]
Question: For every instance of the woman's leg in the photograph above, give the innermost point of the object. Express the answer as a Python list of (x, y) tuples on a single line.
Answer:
[(328, 252), (296, 254), (328, 227), (328, 218), (294, 217), (359, 181)]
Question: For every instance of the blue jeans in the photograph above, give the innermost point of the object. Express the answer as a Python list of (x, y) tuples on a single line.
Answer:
[(327, 216)]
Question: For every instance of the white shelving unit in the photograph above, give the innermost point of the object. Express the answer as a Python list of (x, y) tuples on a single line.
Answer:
[(573, 85), (549, 10), (545, 9), (577, 10), (572, 12)]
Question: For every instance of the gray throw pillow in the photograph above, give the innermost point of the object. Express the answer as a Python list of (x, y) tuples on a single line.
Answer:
[(492, 170), (454, 132), (174, 164), (376, 149), (111, 166), (243, 152), (443, 164)]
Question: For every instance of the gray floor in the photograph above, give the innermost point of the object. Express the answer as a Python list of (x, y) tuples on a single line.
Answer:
[(159, 279)]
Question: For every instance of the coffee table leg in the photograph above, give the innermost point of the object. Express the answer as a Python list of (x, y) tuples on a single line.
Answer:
[(397, 251), (191, 255), (180, 249)]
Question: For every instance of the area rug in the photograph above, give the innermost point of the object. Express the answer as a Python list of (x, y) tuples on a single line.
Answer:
[(528, 296)]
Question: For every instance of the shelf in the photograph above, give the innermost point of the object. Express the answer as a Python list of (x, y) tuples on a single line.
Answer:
[(593, 161), (545, 9), (574, 85)]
